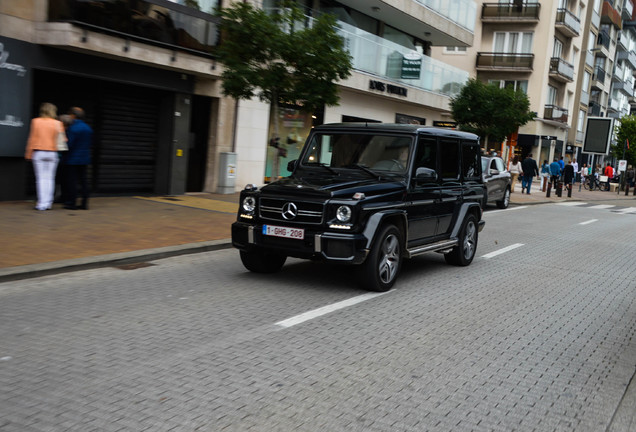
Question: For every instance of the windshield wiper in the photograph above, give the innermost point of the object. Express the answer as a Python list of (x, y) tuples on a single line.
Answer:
[(367, 170)]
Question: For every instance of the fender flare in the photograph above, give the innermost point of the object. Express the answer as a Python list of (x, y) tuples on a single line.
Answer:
[(463, 211), (377, 219)]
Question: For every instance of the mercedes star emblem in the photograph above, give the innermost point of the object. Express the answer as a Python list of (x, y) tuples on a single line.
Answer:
[(290, 211)]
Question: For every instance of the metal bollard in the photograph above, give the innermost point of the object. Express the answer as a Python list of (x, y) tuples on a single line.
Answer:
[(547, 195), (559, 189), (626, 188), (569, 190)]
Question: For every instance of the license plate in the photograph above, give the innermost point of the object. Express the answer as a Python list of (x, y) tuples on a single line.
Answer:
[(286, 232)]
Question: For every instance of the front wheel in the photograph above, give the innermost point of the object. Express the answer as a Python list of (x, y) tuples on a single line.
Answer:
[(505, 201), (262, 262), (381, 268), (464, 252)]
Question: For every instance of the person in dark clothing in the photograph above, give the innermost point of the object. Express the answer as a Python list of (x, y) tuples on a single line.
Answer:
[(80, 140), (568, 175), (530, 169)]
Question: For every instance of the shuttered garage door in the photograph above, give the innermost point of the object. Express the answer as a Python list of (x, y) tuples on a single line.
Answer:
[(128, 143)]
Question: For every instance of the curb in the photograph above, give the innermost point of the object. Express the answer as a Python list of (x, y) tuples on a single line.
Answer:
[(109, 260)]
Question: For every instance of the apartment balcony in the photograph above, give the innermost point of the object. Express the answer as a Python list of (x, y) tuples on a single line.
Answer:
[(628, 56), (154, 22), (609, 15), (625, 87), (508, 62), (441, 22), (628, 10), (561, 70), (510, 12), (382, 58), (594, 109), (598, 78), (567, 23), (555, 113)]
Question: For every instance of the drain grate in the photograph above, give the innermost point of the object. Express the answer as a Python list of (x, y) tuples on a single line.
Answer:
[(134, 266)]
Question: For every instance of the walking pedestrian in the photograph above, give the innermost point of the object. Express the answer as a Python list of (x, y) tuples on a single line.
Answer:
[(42, 149), (555, 172), (609, 173), (583, 174), (515, 172), (80, 137), (575, 165), (569, 175), (545, 174), (530, 169)]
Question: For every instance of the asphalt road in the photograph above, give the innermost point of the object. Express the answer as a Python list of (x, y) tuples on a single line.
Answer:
[(538, 334)]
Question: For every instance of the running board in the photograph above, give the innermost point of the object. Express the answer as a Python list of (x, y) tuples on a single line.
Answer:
[(433, 247)]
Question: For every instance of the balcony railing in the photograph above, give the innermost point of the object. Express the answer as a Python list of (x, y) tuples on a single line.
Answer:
[(462, 12), (599, 74), (628, 10), (156, 22), (508, 61), (377, 56), (627, 87), (507, 12), (569, 24), (628, 56), (594, 109), (555, 113), (603, 39), (561, 70)]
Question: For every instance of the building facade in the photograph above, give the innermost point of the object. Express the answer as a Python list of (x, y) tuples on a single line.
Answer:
[(145, 73)]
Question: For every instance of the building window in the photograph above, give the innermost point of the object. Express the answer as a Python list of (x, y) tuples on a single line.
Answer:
[(516, 85), (552, 95), (455, 49), (513, 42)]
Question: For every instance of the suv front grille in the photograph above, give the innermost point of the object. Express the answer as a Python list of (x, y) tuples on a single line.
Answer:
[(306, 212)]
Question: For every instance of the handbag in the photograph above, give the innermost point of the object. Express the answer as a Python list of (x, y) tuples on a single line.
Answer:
[(61, 141)]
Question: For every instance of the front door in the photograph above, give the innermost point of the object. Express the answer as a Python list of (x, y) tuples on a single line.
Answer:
[(424, 194)]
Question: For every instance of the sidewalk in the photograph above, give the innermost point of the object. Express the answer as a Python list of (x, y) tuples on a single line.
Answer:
[(123, 230)]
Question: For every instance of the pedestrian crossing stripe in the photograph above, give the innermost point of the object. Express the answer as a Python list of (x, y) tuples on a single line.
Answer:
[(571, 204), (602, 206)]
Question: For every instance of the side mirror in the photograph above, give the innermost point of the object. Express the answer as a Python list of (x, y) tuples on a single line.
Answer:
[(425, 175), (291, 165), (493, 172)]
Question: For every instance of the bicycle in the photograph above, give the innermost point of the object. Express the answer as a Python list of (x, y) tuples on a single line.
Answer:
[(592, 182)]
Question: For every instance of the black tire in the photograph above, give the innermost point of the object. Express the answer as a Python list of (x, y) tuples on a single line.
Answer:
[(505, 201), (381, 268), (262, 262), (464, 252), (586, 185)]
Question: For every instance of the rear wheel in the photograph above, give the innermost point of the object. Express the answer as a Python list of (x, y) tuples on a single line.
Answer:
[(505, 201), (464, 252), (258, 261), (381, 268)]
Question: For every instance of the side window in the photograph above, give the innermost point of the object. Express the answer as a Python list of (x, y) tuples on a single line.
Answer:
[(471, 163), (426, 156), (449, 152), (500, 165)]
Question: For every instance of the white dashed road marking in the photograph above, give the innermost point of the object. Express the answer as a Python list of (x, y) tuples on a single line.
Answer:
[(501, 251)]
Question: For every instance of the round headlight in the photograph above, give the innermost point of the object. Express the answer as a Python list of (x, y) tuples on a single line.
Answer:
[(343, 214), (249, 204)]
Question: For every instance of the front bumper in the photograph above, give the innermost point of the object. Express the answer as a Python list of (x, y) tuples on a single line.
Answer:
[(347, 248)]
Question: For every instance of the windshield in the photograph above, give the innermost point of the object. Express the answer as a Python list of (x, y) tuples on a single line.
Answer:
[(388, 153)]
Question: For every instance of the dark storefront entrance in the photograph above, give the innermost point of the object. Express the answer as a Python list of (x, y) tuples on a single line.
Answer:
[(130, 124)]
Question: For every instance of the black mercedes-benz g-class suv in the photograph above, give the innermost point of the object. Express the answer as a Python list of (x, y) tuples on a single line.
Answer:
[(368, 195)]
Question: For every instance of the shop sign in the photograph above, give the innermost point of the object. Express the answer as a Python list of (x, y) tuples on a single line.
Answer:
[(411, 65), (388, 88), (445, 124), (15, 96)]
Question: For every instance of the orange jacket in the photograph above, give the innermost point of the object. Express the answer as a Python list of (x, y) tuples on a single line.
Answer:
[(609, 172), (43, 135)]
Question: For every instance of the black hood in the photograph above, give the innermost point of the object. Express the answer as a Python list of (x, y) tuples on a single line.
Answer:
[(333, 187)]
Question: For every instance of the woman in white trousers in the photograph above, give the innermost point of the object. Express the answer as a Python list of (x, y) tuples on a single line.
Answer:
[(42, 150)]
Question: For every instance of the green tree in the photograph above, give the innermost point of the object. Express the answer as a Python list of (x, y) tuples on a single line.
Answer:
[(489, 111), (279, 59), (625, 131)]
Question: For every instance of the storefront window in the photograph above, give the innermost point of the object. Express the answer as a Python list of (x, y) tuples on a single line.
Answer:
[(287, 131)]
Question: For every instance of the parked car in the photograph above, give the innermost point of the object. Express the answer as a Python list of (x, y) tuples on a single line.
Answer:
[(367, 195), (497, 180)]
